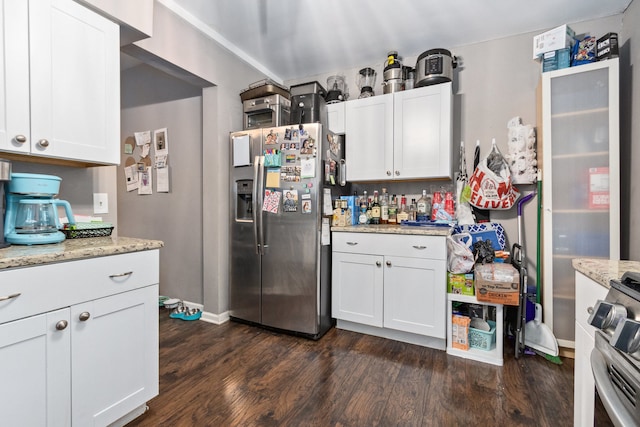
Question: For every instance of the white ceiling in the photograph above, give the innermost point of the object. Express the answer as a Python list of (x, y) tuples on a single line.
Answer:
[(289, 39)]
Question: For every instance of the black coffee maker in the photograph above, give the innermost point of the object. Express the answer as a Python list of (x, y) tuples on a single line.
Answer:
[(5, 176)]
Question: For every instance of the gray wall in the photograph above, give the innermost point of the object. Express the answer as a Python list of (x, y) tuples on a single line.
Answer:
[(152, 100)]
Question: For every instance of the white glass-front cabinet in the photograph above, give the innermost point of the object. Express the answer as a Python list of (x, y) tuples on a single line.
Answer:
[(581, 181)]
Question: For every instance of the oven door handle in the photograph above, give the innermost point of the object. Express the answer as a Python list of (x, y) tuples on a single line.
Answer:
[(616, 410)]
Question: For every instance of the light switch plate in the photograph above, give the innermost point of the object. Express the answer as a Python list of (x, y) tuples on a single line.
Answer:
[(100, 203)]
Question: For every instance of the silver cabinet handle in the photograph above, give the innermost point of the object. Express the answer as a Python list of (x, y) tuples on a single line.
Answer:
[(62, 325), (397, 173), (84, 316), (419, 247), (388, 263), (43, 143), (6, 297), (352, 243), (590, 310), (388, 173), (378, 263), (21, 139), (128, 273)]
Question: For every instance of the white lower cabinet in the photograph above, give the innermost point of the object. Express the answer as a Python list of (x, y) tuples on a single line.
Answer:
[(390, 285), (587, 293), (91, 358)]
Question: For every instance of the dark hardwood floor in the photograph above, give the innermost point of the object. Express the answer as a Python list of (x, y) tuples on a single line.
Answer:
[(239, 375)]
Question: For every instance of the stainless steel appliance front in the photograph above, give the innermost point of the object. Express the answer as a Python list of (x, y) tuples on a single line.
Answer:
[(267, 111), (280, 272)]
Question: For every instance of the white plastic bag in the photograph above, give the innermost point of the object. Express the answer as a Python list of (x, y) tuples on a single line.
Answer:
[(464, 215), (491, 186), (459, 254)]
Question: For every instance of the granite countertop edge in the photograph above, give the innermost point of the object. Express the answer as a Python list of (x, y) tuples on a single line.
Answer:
[(394, 229), (603, 270), (72, 249)]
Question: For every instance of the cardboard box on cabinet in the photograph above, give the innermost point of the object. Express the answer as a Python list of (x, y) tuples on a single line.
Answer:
[(558, 38)]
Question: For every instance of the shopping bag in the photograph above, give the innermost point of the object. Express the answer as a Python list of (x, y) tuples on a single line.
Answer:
[(491, 185), (459, 254)]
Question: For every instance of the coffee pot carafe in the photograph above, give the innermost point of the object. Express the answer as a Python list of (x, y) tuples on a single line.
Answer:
[(32, 212)]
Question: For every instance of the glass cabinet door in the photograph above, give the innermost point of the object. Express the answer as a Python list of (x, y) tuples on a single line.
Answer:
[(580, 181)]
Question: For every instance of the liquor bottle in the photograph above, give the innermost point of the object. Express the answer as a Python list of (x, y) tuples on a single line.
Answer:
[(375, 209), (384, 207), (393, 210), (362, 219), (403, 214), (422, 214), (413, 210), (369, 203)]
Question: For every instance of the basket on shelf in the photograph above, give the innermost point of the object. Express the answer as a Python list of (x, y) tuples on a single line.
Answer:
[(483, 340), (88, 229)]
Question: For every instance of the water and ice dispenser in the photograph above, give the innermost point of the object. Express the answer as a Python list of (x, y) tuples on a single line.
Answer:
[(244, 200)]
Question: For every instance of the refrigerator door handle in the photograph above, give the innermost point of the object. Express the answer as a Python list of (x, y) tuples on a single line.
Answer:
[(259, 213), (254, 203)]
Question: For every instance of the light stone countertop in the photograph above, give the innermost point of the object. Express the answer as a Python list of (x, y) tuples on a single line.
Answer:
[(72, 249), (604, 270), (396, 229)]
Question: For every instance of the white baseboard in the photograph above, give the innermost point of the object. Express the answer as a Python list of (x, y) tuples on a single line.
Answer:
[(217, 319)]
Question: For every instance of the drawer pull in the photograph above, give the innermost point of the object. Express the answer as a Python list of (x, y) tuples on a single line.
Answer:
[(62, 325), (352, 243), (378, 263), (84, 316), (388, 263), (419, 247), (128, 273), (6, 297)]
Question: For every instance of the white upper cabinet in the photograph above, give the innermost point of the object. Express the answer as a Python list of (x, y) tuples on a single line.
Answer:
[(400, 136), (61, 61)]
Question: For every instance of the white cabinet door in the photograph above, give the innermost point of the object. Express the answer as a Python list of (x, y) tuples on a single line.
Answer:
[(414, 295), (14, 76), (115, 355), (357, 289), (335, 117), (423, 132), (35, 367), (75, 88), (369, 129)]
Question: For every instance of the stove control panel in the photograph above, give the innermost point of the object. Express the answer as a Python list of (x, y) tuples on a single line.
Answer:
[(626, 337), (606, 315)]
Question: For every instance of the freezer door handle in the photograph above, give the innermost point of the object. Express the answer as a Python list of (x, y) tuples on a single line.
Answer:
[(254, 202), (258, 212)]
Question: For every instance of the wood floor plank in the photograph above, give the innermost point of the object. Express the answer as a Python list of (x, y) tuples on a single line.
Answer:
[(240, 375)]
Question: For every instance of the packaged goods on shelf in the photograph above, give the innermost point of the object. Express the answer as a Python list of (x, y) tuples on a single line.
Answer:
[(461, 284), (497, 283), (460, 332), (558, 38)]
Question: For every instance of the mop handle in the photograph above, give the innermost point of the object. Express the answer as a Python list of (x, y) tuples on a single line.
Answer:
[(524, 200)]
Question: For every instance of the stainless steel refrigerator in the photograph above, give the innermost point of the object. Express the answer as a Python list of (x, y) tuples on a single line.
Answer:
[(280, 273)]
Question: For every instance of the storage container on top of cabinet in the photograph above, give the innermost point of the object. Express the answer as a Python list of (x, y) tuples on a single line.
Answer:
[(401, 135), (59, 82), (581, 181)]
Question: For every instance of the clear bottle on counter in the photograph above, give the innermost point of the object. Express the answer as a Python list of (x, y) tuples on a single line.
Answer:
[(403, 213), (413, 210), (422, 212), (393, 210), (362, 218), (384, 207)]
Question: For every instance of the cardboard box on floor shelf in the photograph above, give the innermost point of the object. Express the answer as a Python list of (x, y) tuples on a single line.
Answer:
[(461, 284), (498, 283), (558, 38)]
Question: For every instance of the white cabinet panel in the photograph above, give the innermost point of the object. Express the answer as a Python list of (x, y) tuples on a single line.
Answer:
[(335, 117), (36, 371), (62, 63), (411, 286)]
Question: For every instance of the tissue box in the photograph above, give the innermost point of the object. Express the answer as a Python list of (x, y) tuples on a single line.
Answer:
[(497, 283), (555, 39)]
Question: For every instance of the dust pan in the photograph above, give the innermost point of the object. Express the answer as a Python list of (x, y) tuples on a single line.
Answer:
[(539, 336)]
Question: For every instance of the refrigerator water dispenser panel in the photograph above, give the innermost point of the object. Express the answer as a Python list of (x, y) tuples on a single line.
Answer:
[(244, 200)]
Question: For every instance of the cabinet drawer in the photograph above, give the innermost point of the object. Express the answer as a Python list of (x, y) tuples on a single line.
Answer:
[(414, 246), (52, 286)]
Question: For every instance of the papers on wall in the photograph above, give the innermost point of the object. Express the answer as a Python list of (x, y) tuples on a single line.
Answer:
[(150, 153), (146, 182), (131, 177), (162, 180), (142, 138)]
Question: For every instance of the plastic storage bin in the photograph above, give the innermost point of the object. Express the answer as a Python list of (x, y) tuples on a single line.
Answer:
[(483, 340)]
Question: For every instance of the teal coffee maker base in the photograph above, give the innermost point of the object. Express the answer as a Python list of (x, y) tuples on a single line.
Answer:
[(35, 238)]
